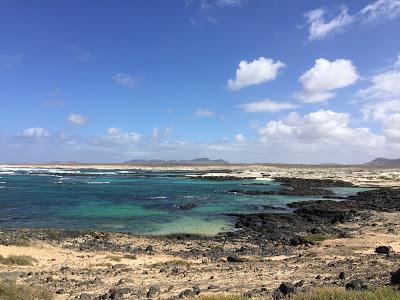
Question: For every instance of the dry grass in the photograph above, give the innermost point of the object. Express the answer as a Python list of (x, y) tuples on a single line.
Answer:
[(19, 260), (383, 293), (11, 291)]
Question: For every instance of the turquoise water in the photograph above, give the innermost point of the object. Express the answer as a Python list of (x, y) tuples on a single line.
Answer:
[(128, 201)]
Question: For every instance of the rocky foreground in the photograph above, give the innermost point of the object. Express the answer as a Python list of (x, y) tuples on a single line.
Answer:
[(354, 243)]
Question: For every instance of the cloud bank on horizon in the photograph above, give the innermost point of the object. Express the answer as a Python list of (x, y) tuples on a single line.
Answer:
[(179, 81)]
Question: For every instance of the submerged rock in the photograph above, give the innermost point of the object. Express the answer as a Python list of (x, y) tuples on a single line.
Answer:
[(187, 206)]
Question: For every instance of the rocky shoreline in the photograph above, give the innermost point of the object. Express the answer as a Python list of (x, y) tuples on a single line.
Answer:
[(313, 245)]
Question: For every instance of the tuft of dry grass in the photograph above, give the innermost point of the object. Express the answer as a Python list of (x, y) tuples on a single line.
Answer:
[(9, 290), (114, 258), (19, 260), (333, 293)]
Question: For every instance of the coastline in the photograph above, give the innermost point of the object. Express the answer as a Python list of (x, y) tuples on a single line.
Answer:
[(312, 246)]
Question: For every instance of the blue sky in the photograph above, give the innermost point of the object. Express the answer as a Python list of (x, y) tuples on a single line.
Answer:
[(244, 80)]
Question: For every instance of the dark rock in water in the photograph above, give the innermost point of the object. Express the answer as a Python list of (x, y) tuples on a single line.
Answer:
[(395, 277), (286, 192), (187, 206), (383, 250), (271, 207), (287, 288), (153, 291), (235, 259), (312, 183), (342, 275), (356, 284)]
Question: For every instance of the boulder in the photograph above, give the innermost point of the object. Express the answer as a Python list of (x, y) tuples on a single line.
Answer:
[(356, 285), (395, 277), (383, 250), (153, 291), (287, 288), (235, 259)]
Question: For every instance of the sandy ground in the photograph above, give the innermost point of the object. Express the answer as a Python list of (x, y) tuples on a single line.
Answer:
[(96, 272)]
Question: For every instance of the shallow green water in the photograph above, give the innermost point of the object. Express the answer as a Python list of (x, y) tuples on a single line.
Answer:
[(129, 201)]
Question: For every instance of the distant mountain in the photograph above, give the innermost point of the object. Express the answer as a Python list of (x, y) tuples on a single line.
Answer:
[(197, 161), (384, 162)]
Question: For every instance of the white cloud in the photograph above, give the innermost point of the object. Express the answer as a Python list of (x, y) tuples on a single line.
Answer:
[(77, 119), (320, 127), (397, 63), (391, 127), (9, 61), (117, 136), (229, 3), (267, 105), (378, 11), (325, 77), (81, 54), (155, 134), (124, 79), (204, 113), (384, 85), (35, 132), (379, 111), (240, 138), (255, 72), (319, 28)]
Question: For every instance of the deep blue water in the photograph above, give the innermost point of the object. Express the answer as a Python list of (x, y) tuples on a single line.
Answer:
[(134, 201)]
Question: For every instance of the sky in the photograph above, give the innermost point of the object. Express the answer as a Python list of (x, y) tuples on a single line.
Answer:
[(306, 81)]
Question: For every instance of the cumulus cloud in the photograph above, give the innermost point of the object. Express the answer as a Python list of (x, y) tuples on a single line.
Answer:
[(383, 86), (35, 132), (267, 105), (204, 113), (117, 136), (379, 11), (240, 138), (77, 119), (255, 72), (124, 79), (325, 77), (322, 126), (379, 111)]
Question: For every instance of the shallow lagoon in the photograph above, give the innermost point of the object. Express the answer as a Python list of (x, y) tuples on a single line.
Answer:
[(139, 202)]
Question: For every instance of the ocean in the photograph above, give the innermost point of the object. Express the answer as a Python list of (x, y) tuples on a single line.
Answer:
[(134, 201)]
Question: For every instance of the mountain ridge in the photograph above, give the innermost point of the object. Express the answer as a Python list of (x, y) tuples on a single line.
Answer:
[(196, 161), (383, 162)]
